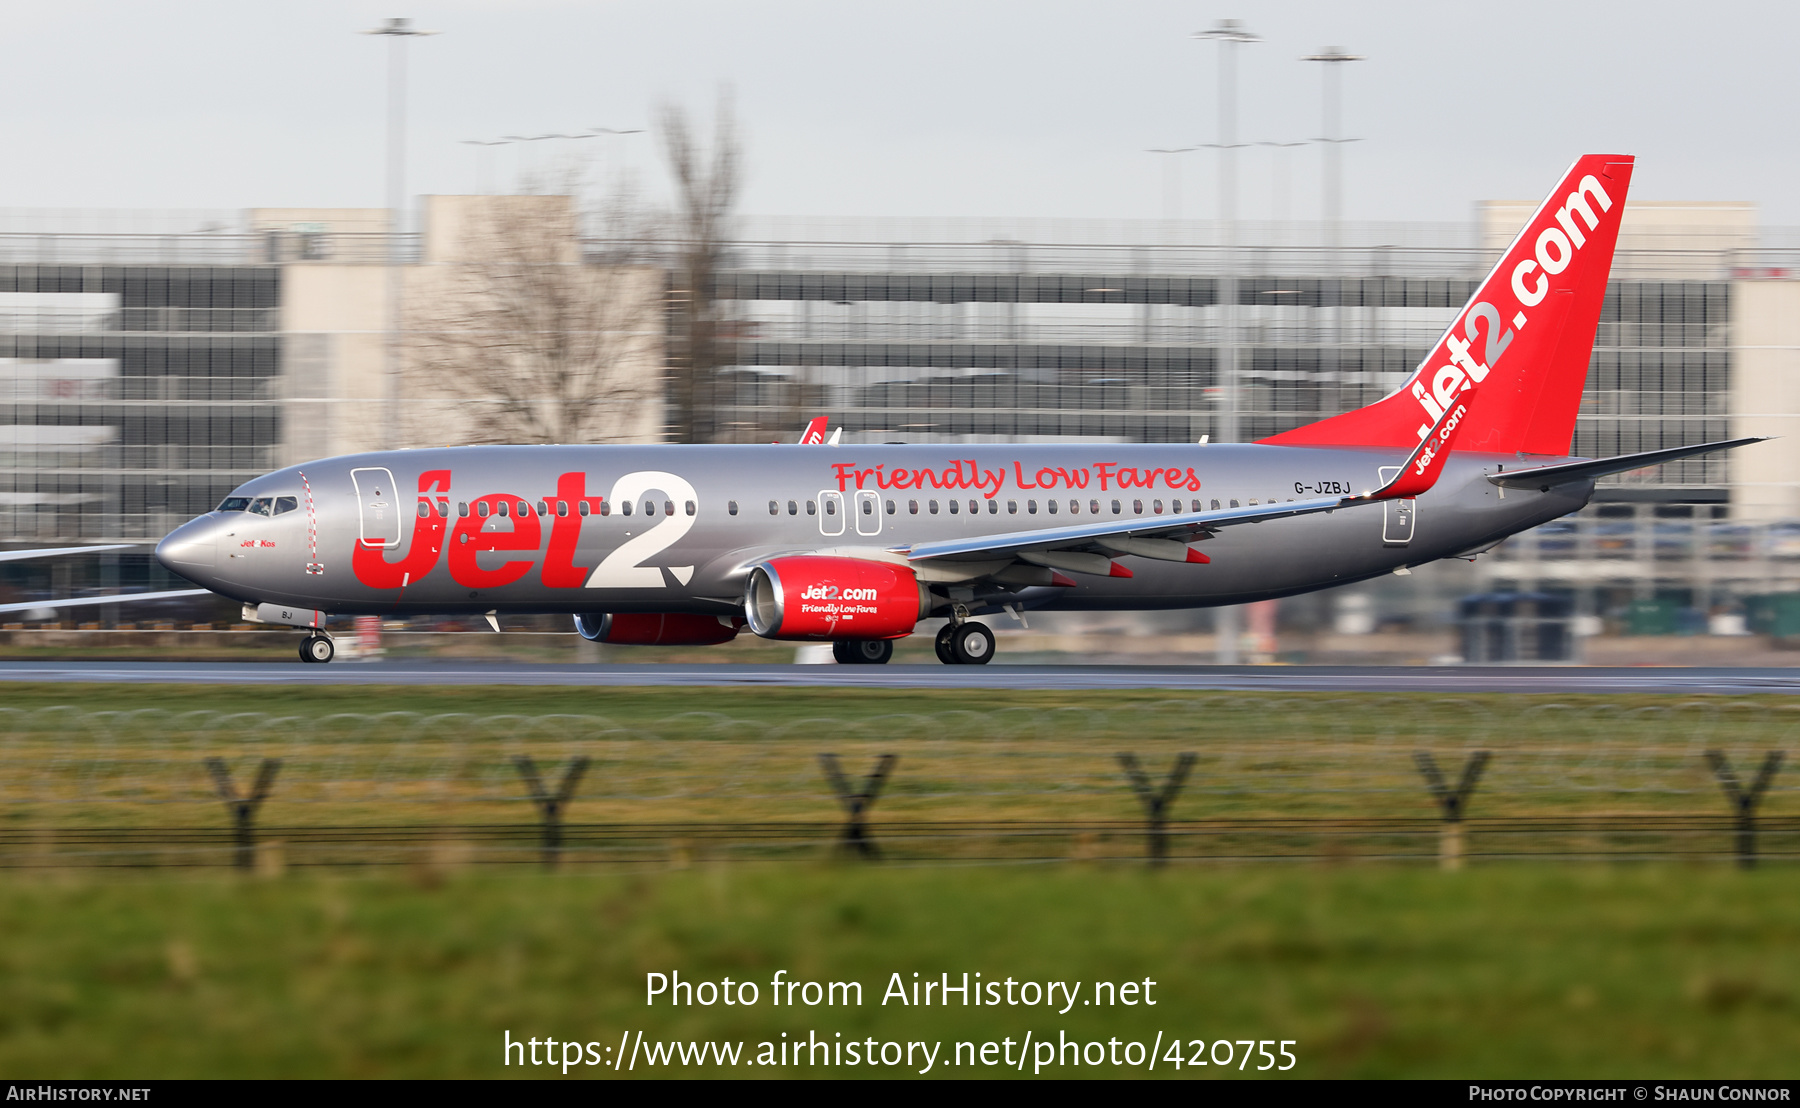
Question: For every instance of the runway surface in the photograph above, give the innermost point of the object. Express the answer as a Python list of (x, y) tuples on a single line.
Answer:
[(1442, 679)]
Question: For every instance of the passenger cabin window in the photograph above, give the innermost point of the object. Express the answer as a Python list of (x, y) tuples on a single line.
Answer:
[(286, 504), (933, 505), (462, 508), (774, 507), (669, 508), (1156, 506), (502, 508), (953, 508), (649, 507), (260, 506), (793, 508), (912, 506), (890, 507), (482, 509), (1094, 507), (523, 508), (868, 507), (1031, 507), (234, 504), (731, 507), (581, 507), (993, 507), (831, 507), (424, 508), (543, 508), (1215, 505), (1234, 504), (1116, 507), (1012, 507), (562, 509), (1137, 507), (812, 508), (974, 506), (443, 507), (625, 508), (605, 508), (1050, 504), (689, 507)]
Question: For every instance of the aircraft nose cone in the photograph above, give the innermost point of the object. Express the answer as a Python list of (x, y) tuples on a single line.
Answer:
[(192, 546)]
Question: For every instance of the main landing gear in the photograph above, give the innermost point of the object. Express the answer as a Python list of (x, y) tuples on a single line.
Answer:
[(316, 648), (965, 644), (862, 652)]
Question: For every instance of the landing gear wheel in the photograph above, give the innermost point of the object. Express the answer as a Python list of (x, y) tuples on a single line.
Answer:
[(862, 652), (973, 644), (316, 648), (946, 654)]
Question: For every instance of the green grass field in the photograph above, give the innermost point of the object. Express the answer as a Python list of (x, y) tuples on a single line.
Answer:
[(1537, 971), (417, 968)]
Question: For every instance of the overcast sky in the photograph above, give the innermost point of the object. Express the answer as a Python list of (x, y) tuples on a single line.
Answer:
[(922, 108)]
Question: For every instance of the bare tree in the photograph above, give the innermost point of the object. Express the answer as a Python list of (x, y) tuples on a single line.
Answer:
[(527, 340), (706, 190)]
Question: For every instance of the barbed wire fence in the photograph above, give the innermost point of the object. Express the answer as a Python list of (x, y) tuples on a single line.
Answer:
[(1260, 778)]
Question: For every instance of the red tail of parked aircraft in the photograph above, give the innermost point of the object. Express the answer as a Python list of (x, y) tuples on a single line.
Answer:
[(1526, 335)]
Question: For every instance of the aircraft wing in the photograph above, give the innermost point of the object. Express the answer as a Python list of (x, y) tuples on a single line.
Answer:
[(59, 551), (1086, 547), (85, 601), (1544, 478)]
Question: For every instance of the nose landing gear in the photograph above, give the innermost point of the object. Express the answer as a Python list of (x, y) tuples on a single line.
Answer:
[(316, 648)]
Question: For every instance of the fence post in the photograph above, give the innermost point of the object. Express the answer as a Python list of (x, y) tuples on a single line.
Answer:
[(243, 808), (1454, 802), (1744, 801), (552, 805), (1157, 802), (855, 837)]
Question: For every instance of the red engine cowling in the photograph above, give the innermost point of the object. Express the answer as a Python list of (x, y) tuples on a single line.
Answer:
[(809, 596), (658, 628)]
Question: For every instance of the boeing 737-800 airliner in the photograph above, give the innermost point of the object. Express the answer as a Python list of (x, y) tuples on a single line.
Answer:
[(856, 544)]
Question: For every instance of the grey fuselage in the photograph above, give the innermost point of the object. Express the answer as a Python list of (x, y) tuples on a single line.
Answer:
[(714, 511)]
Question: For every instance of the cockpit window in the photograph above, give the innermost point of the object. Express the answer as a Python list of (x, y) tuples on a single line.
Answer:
[(234, 504), (286, 504), (261, 506)]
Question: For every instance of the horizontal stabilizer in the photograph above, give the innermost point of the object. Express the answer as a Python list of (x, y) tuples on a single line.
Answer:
[(1544, 478)]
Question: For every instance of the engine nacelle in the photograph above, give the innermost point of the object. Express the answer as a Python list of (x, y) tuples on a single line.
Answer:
[(658, 628), (809, 596)]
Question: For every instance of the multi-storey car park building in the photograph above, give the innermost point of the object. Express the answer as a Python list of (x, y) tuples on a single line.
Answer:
[(151, 363)]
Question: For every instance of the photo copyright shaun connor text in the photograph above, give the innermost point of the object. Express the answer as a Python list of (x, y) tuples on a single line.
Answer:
[(1025, 1049)]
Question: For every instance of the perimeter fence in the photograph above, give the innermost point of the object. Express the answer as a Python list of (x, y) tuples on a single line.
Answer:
[(1211, 778)]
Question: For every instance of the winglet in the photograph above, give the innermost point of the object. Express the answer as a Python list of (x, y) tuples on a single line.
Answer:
[(1423, 468)]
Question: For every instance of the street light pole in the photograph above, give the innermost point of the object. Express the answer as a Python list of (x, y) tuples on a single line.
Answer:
[(1332, 58), (397, 32), (1229, 34)]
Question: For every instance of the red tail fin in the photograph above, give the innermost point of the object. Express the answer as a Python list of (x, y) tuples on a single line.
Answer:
[(1528, 333)]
